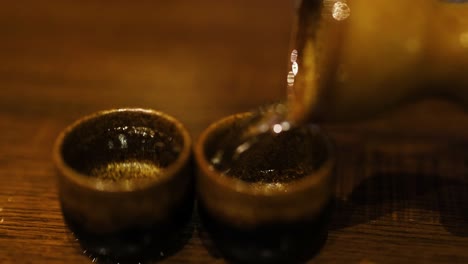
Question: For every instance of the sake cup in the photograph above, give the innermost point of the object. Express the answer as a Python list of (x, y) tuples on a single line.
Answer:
[(274, 207), (125, 179)]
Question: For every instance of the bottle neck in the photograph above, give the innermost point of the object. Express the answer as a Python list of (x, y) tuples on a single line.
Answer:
[(317, 36)]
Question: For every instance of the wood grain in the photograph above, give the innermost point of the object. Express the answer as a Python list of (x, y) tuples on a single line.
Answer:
[(402, 188)]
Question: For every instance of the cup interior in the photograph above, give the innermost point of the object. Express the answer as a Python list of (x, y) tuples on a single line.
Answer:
[(272, 159), (122, 145)]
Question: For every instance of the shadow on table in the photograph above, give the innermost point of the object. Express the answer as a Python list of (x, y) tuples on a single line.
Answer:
[(384, 193)]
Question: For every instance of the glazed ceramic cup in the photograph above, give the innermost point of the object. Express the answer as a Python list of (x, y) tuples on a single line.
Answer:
[(124, 170), (275, 215)]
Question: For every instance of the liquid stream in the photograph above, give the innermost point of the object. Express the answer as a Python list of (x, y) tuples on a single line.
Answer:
[(271, 146)]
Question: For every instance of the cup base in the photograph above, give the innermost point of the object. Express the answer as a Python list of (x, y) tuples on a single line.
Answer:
[(136, 244), (285, 242)]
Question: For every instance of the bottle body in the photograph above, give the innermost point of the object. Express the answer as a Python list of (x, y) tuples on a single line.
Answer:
[(359, 58)]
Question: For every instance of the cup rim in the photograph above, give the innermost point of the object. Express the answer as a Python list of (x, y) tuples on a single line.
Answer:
[(94, 183), (240, 186)]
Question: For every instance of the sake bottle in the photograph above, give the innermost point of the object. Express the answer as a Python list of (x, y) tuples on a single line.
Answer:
[(358, 58)]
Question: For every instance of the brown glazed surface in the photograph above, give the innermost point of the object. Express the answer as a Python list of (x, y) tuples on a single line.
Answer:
[(252, 204), (122, 169)]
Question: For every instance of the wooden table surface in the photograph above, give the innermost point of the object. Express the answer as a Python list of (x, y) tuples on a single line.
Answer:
[(402, 188)]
